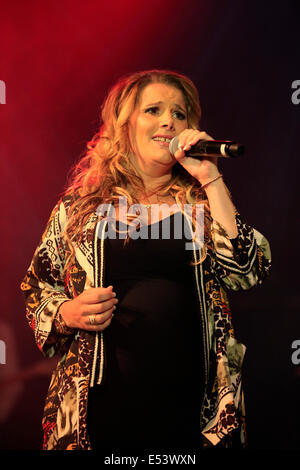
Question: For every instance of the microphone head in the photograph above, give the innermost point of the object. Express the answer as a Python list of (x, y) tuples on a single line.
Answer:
[(173, 145)]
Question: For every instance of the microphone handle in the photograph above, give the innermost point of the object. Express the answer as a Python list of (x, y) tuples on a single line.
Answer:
[(216, 148)]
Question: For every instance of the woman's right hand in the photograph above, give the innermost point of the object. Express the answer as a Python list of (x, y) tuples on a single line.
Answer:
[(96, 304)]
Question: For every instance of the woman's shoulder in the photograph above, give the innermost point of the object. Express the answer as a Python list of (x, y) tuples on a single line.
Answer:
[(68, 199), (62, 207)]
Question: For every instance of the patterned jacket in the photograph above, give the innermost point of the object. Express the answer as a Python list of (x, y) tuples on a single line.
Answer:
[(235, 264)]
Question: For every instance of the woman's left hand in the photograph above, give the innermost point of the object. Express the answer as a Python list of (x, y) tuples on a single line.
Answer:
[(204, 169)]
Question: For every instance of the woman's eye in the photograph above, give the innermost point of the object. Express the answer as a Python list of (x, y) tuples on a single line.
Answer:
[(156, 110), (152, 110), (179, 115)]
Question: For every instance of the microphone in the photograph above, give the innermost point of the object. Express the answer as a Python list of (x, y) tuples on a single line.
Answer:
[(210, 148)]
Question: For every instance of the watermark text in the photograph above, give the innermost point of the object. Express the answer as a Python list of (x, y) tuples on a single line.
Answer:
[(296, 354), (188, 222), (2, 92), (296, 94), (2, 352)]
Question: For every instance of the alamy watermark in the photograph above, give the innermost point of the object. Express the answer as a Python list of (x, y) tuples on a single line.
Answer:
[(2, 92), (296, 94), (142, 226), (2, 352), (296, 354)]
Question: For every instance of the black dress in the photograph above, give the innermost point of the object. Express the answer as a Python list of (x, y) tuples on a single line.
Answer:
[(152, 387)]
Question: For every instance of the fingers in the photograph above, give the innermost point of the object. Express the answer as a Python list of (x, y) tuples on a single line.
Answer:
[(190, 137), (101, 307), (187, 138), (98, 294), (99, 322), (96, 306), (98, 316)]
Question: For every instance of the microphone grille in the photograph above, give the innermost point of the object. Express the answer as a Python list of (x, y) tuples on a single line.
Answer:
[(173, 145)]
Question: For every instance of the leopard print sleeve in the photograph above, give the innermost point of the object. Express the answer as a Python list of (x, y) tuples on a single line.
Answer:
[(242, 262)]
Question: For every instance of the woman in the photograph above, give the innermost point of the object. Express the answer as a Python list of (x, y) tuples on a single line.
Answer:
[(143, 325)]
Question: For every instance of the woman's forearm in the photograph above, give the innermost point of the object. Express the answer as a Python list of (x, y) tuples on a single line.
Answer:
[(221, 207)]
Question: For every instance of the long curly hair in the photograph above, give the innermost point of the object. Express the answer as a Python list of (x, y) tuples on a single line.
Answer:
[(105, 172)]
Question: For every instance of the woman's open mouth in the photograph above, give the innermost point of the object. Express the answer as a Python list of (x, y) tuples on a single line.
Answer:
[(162, 141)]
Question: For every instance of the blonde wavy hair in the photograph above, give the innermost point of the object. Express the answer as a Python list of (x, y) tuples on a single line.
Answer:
[(105, 172)]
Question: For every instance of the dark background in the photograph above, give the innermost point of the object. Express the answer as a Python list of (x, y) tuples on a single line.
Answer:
[(58, 59)]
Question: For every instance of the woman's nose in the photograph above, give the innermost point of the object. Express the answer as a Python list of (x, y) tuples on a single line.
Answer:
[(167, 121)]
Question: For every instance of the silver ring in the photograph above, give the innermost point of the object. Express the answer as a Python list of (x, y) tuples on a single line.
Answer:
[(92, 319)]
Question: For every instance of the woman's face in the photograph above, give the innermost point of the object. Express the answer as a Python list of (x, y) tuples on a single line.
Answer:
[(160, 115)]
